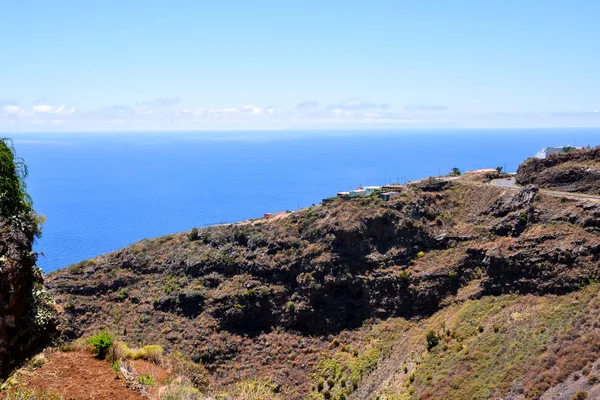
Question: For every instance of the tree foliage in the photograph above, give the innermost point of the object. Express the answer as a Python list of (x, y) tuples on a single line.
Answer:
[(14, 199), (15, 204), (455, 172)]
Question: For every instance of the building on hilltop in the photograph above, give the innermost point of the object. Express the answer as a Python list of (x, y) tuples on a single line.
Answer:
[(364, 191), (546, 151)]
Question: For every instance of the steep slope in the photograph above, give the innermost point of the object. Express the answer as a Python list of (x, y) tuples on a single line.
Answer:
[(275, 298), (27, 316), (574, 171)]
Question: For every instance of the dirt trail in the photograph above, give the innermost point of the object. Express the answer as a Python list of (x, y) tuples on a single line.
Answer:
[(80, 376)]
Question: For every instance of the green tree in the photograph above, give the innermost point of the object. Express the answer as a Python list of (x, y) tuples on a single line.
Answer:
[(13, 171), (455, 172), (499, 169), (15, 203)]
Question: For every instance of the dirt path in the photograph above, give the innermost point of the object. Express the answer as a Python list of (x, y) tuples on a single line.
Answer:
[(511, 184), (80, 376)]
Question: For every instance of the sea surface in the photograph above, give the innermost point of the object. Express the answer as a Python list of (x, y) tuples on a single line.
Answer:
[(103, 191)]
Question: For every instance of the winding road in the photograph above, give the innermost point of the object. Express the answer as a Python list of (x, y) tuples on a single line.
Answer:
[(510, 183)]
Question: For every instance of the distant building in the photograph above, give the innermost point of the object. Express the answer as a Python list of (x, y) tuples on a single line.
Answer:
[(389, 195), (364, 191), (546, 151)]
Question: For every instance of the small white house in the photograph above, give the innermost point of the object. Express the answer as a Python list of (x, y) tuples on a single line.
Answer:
[(364, 191), (546, 151)]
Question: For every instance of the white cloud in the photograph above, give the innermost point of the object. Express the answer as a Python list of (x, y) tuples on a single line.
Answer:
[(46, 109), (252, 110), (13, 110)]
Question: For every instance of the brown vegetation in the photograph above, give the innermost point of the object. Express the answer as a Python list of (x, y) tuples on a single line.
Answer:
[(267, 299)]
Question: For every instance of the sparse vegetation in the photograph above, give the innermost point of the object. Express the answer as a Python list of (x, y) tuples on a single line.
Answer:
[(196, 374), (146, 379), (322, 287), (31, 394), (580, 395), (180, 389)]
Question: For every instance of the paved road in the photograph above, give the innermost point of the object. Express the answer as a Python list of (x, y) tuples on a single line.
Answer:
[(512, 184)]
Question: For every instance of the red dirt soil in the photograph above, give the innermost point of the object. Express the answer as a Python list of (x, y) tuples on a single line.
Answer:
[(78, 375)]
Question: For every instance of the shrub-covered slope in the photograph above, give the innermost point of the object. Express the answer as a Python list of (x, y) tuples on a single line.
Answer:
[(574, 171), (27, 317), (278, 297)]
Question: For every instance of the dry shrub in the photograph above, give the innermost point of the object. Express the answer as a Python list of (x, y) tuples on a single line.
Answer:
[(152, 353), (254, 390), (30, 394), (185, 368), (179, 389), (580, 395)]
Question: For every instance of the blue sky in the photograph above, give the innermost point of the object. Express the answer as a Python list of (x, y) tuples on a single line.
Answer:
[(135, 65)]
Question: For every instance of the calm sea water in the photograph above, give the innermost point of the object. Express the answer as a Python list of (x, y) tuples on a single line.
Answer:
[(101, 192)]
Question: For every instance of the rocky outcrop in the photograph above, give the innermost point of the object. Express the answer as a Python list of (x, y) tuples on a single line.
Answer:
[(575, 171), (27, 316)]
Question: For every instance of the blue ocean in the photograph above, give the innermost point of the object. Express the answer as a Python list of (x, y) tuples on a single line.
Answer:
[(103, 191)]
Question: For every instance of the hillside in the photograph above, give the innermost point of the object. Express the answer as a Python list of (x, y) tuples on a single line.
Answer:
[(573, 171), (27, 315), (336, 301)]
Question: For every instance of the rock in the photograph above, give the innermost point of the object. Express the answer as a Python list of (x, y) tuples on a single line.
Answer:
[(513, 201), (575, 171)]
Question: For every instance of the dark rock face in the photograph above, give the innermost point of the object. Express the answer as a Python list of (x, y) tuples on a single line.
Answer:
[(520, 200), (576, 171)]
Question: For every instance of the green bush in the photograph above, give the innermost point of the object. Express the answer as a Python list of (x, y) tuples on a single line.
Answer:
[(101, 344), (116, 367), (123, 293), (147, 380), (193, 235), (432, 339), (523, 219)]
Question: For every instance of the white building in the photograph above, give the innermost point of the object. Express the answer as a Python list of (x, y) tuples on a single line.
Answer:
[(364, 191), (546, 151)]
